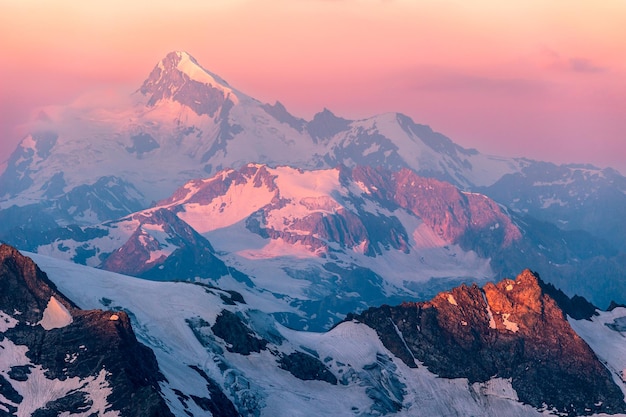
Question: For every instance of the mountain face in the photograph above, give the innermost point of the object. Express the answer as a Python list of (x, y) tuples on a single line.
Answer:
[(279, 225), (573, 197), (505, 349), (57, 358), (512, 329), (84, 165), (330, 242), (325, 242), (185, 123)]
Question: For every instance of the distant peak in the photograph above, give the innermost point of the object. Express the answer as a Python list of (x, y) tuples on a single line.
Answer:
[(179, 77), (187, 64), (182, 54), (325, 125)]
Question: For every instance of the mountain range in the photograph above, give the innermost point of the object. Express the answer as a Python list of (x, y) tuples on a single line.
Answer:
[(503, 349), (286, 226)]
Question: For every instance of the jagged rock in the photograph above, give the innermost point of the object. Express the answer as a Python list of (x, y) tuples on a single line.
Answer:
[(306, 367), (193, 254), (74, 343), (218, 404), (512, 329), (229, 327)]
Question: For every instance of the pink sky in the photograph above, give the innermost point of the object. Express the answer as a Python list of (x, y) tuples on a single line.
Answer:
[(536, 78)]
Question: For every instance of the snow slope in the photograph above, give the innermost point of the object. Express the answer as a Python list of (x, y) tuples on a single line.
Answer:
[(175, 320)]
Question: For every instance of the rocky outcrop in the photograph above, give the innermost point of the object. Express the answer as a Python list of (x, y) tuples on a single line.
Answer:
[(512, 329), (457, 217), (193, 254), (99, 348), (240, 338), (306, 367)]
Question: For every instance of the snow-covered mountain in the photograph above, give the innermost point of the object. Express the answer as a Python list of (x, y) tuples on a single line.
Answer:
[(185, 123), (325, 242), (300, 224), (506, 349), (328, 242), (573, 197), (97, 160)]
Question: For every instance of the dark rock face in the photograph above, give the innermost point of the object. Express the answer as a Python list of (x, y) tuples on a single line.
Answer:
[(510, 330), (280, 113), (576, 307), (325, 125), (93, 341), (142, 143), (218, 404), (306, 367), (193, 257), (230, 328)]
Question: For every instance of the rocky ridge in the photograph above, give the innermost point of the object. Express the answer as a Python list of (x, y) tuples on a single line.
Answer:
[(68, 360), (512, 329), (505, 349)]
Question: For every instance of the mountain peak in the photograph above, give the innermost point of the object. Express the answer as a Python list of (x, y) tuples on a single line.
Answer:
[(325, 125), (179, 77), (512, 329)]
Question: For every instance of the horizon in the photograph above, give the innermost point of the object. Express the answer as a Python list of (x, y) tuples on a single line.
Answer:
[(549, 87)]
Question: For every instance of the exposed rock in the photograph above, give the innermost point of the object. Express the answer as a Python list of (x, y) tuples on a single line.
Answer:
[(193, 256), (455, 216), (512, 329), (325, 125), (576, 307), (306, 367), (218, 404), (613, 305), (230, 327), (168, 81), (84, 347)]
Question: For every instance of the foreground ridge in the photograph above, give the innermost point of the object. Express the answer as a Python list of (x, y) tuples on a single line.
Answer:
[(505, 349), (512, 329), (64, 359)]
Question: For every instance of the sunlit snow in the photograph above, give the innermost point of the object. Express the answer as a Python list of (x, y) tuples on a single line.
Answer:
[(55, 315)]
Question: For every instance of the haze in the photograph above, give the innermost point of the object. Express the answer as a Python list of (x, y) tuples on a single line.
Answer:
[(531, 78)]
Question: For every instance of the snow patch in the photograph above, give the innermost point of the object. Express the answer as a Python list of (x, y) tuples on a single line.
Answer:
[(551, 201), (38, 389), (197, 73), (55, 315), (239, 202), (452, 300), (277, 248), (509, 325), (29, 143), (497, 387), (492, 322)]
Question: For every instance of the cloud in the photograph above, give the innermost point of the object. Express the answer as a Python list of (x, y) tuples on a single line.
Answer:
[(551, 59), (584, 65), (447, 80)]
